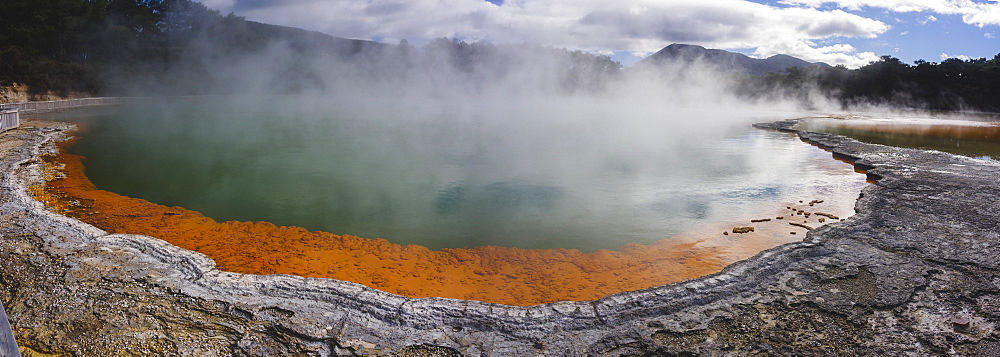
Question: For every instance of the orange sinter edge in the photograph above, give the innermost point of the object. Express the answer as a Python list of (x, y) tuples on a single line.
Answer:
[(492, 274)]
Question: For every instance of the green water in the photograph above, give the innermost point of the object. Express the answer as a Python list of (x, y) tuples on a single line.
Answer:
[(526, 176)]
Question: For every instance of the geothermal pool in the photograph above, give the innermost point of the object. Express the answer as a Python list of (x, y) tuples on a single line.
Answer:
[(609, 196), (523, 178)]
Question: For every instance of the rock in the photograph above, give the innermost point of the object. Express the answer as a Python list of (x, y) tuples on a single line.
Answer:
[(827, 215), (800, 225), (742, 230), (960, 324)]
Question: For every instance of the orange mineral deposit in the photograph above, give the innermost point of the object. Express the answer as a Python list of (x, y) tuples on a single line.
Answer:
[(492, 274)]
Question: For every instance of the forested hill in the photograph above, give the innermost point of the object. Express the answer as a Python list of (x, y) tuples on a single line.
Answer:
[(101, 46), (952, 84), (725, 60), (180, 47)]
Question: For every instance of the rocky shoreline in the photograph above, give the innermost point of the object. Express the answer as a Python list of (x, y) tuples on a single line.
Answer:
[(913, 272)]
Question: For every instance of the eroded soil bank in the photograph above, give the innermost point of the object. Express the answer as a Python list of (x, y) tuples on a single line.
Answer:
[(493, 274), (914, 272)]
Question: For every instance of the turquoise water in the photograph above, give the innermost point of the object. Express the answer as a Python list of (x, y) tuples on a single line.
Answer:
[(437, 176)]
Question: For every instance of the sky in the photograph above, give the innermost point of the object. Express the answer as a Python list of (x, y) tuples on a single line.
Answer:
[(839, 32)]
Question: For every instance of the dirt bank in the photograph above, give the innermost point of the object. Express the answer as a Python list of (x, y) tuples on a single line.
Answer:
[(19, 93)]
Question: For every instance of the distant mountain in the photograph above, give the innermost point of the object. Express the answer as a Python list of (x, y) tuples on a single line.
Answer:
[(736, 62), (305, 41)]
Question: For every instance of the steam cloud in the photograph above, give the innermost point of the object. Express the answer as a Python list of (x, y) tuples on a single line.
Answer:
[(512, 125)]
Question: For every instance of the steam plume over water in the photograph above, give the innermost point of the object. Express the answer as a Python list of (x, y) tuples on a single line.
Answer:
[(573, 174), (452, 145), (537, 148)]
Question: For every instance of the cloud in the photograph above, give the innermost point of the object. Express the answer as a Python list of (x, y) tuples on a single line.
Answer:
[(642, 26), (835, 54), (927, 20), (641, 54), (945, 56), (973, 13), (989, 35), (989, 15)]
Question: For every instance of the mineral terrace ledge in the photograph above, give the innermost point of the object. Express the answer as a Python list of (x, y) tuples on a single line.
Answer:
[(913, 272)]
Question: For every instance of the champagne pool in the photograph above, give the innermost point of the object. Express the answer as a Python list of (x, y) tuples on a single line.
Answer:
[(440, 178)]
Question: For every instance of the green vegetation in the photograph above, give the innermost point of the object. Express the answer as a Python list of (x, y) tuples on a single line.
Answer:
[(150, 47), (67, 45), (124, 46), (953, 84)]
